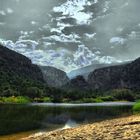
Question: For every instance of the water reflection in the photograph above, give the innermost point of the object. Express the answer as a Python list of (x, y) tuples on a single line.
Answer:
[(70, 123), (20, 118)]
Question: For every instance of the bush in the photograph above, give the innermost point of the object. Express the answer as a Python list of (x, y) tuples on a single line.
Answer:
[(33, 92), (107, 98), (19, 99), (136, 107), (123, 94), (98, 100), (9, 92), (47, 99), (91, 100)]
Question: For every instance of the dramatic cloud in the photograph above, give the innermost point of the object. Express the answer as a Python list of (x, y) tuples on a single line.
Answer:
[(70, 34)]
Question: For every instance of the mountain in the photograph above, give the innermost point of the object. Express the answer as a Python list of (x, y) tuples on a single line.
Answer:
[(79, 78), (54, 77), (115, 77), (85, 71), (18, 75), (15, 64)]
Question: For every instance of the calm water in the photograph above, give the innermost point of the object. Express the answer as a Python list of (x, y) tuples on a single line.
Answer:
[(46, 117)]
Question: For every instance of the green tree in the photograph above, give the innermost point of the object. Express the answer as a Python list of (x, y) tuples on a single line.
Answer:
[(33, 92), (123, 94)]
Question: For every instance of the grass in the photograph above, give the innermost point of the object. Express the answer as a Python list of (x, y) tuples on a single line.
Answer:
[(136, 107), (13, 99), (92, 100)]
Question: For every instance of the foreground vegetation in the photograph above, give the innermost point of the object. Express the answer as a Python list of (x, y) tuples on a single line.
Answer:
[(24, 100), (136, 107)]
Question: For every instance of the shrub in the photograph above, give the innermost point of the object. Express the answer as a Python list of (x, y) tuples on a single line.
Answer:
[(107, 98), (33, 92), (19, 99), (123, 94), (91, 100), (136, 107), (9, 92), (22, 100), (98, 100), (47, 99)]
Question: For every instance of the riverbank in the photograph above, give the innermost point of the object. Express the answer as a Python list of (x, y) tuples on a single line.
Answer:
[(27, 100), (122, 128)]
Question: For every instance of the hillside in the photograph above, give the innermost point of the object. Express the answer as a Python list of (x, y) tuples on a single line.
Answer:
[(18, 64), (17, 73)]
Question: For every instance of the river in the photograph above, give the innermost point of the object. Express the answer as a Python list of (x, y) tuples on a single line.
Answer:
[(18, 121)]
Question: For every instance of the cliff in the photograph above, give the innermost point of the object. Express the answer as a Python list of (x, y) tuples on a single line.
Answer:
[(54, 77), (85, 71), (115, 77)]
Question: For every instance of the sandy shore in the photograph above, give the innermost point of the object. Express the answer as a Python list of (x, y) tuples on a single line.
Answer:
[(127, 128)]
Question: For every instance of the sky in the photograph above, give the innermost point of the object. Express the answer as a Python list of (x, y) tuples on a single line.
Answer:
[(70, 34)]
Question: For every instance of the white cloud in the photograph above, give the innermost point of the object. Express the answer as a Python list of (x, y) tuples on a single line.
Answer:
[(74, 9), (117, 40), (9, 10), (2, 13), (59, 58), (64, 38)]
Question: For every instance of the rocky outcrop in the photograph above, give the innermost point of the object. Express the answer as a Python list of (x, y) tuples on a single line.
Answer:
[(13, 64), (115, 77), (54, 77)]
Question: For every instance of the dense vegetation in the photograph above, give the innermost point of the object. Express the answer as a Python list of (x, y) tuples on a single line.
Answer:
[(42, 93)]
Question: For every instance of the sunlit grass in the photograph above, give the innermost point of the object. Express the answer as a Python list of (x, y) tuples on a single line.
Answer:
[(18, 99)]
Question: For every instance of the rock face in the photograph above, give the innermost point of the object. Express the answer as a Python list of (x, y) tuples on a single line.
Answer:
[(114, 77), (85, 71), (54, 77), (13, 64)]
